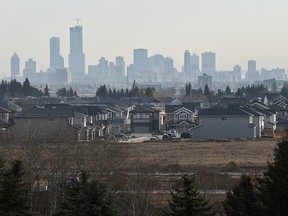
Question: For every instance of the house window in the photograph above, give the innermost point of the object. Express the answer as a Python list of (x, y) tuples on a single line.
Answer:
[(182, 116), (224, 118), (109, 115)]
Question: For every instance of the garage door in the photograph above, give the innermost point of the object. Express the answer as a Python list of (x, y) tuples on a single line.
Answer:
[(141, 129)]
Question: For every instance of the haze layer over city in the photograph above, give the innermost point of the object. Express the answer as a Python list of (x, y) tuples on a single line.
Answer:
[(172, 37)]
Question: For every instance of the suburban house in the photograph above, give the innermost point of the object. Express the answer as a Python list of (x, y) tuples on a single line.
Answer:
[(181, 117), (51, 122), (144, 119), (224, 123)]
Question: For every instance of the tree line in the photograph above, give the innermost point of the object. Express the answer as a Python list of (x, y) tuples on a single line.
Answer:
[(84, 195), (248, 91), (16, 89), (102, 92)]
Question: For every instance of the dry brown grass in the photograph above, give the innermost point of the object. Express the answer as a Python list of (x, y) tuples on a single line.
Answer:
[(207, 154), (158, 155)]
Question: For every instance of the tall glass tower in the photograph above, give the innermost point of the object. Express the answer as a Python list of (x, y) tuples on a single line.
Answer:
[(76, 55), (15, 65), (55, 57)]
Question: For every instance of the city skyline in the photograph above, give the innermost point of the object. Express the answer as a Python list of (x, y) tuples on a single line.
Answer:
[(237, 31)]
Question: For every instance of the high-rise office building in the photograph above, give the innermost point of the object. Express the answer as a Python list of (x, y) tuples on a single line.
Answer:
[(187, 64), (252, 73), (208, 63), (194, 62), (15, 65), (76, 55), (30, 68), (55, 57), (251, 66), (237, 71), (120, 66), (141, 58)]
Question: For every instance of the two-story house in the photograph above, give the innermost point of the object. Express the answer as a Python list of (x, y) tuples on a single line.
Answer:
[(181, 117), (51, 122), (144, 119), (224, 123)]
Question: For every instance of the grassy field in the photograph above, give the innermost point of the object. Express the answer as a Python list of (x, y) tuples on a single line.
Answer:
[(201, 154), (138, 167)]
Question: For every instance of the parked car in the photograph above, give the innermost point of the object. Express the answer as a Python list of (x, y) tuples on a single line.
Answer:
[(121, 136), (185, 135)]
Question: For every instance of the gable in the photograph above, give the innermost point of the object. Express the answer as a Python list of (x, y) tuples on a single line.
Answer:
[(183, 110)]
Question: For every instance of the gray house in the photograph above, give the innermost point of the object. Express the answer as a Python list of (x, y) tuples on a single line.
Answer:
[(144, 119), (224, 123), (181, 117)]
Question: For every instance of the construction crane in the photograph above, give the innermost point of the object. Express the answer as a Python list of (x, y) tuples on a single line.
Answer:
[(77, 20)]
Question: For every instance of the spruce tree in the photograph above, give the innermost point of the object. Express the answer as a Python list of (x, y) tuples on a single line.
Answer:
[(86, 197), (206, 90), (243, 200), (186, 200), (14, 198), (274, 186)]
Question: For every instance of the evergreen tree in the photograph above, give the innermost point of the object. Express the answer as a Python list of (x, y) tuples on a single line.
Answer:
[(284, 89), (110, 92), (274, 87), (149, 92), (228, 90), (186, 200), (188, 89), (26, 88), (275, 182), (70, 92), (206, 90), (46, 91), (14, 199), (239, 93), (86, 197), (243, 200)]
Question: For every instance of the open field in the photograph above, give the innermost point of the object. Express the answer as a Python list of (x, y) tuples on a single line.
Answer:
[(141, 174), (150, 156), (191, 155)]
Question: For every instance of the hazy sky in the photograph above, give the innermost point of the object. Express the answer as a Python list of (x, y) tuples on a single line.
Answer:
[(236, 30)]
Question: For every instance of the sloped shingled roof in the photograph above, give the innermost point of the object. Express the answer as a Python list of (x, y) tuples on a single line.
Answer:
[(229, 111), (59, 110)]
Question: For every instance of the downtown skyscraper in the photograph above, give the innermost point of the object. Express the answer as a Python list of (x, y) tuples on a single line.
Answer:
[(76, 55), (15, 65), (56, 60)]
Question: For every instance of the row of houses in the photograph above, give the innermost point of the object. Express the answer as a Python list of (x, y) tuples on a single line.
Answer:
[(227, 117)]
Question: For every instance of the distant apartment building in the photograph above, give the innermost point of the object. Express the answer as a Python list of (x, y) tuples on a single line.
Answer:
[(56, 60), (139, 69), (251, 66), (15, 65), (252, 73), (191, 66), (208, 63), (205, 80), (30, 68), (187, 64), (194, 62), (120, 66), (76, 55), (275, 73)]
